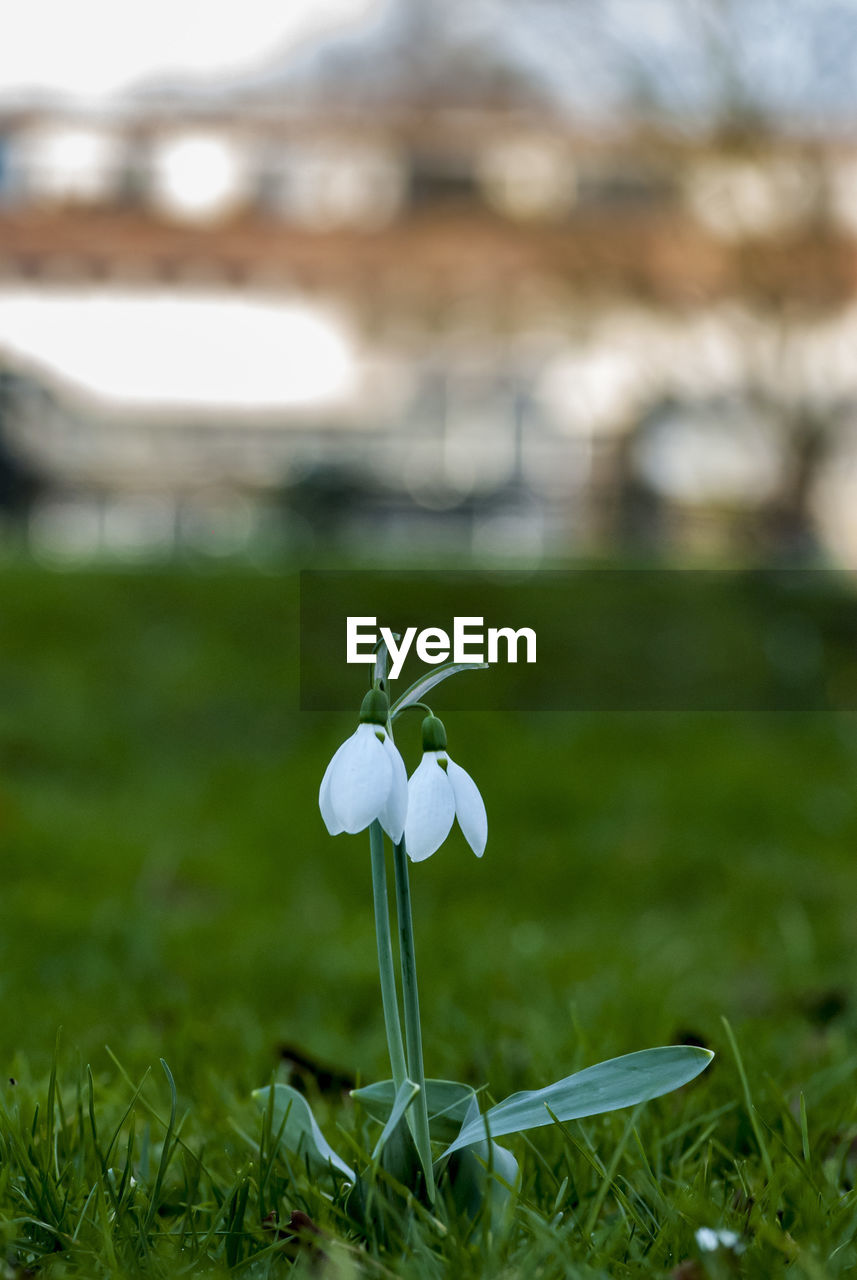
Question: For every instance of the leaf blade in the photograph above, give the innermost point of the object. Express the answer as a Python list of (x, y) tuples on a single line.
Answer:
[(429, 681), (298, 1128), (405, 1095), (447, 1102), (607, 1086)]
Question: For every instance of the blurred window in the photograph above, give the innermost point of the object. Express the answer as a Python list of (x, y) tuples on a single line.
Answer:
[(334, 183), (623, 183), (55, 162), (443, 178), (528, 178), (842, 186), (199, 176), (741, 198), (717, 451)]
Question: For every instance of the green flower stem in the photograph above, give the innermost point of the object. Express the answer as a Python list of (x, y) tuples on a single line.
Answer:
[(389, 998), (413, 1034)]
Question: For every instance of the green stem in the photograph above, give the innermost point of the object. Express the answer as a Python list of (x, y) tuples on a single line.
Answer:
[(413, 1034), (385, 955)]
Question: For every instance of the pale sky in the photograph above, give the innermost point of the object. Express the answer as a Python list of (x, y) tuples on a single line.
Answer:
[(90, 49)]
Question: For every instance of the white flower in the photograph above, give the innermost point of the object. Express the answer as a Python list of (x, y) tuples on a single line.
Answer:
[(366, 779), (438, 791), (709, 1241)]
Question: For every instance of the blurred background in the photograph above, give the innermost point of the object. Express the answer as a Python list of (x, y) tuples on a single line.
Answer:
[(399, 277)]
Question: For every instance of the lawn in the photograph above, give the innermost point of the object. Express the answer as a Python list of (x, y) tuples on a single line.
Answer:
[(169, 892)]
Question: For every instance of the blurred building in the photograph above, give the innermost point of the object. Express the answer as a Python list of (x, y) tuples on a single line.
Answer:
[(390, 291)]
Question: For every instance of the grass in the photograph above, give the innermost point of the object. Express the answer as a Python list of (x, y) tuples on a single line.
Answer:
[(169, 892)]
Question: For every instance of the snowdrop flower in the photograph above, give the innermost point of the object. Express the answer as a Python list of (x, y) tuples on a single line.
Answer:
[(438, 791), (366, 779)]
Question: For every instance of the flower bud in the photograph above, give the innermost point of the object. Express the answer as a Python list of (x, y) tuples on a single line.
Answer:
[(434, 734), (375, 708)]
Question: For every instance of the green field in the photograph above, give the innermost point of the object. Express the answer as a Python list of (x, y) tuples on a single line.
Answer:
[(169, 891)]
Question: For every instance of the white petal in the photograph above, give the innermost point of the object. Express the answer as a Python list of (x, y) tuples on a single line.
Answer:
[(331, 821), (469, 808), (431, 808), (360, 775), (392, 816)]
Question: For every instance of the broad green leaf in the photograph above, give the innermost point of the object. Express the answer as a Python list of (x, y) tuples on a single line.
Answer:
[(619, 1082), (422, 686), (297, 1127), (447, 1102), (474, 1178), (400, 1157), (379, 1204), (405, 1095), (484, 1171)]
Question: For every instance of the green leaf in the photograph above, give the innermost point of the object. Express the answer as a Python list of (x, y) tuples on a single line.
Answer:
[(482, 1172), (447, 1102), (296, 1126), (407, 1091), (619, 1082), (427, 682)]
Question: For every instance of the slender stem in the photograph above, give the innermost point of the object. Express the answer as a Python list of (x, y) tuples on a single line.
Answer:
[(413, 1034), (417, 1116), (389, 998)]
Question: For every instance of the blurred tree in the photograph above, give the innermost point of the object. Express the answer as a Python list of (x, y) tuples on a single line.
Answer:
[(19, 482), (724, 65)]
